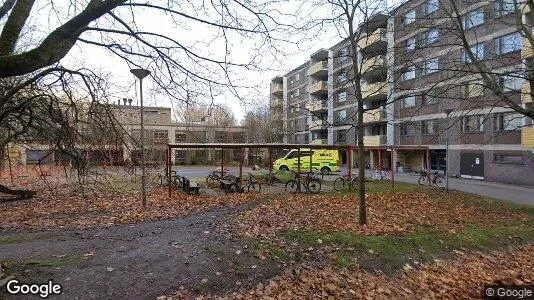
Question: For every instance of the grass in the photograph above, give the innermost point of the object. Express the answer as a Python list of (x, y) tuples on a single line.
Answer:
[(17, 239), (389, 253)]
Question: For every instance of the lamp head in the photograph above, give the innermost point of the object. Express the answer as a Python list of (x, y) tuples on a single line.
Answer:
[(140, 73)]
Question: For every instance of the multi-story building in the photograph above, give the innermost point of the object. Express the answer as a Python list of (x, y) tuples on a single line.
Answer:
[(420, 86), (160, 130)]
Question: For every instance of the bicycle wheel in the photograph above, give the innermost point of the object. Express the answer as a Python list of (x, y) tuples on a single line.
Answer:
[(376, 175), (254, 187), (314, 186), (355, 183), (339, 184), (292, 186), (386, 175), (212, 179), (439, 181), (422, 180)]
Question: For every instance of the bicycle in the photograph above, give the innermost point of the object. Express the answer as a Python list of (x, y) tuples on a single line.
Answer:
[(310, 183), (252, 185), (381, 175), (346, 180), (215, 176), (434, 177)]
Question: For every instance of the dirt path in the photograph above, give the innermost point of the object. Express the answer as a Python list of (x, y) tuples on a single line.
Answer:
[(139, 261)]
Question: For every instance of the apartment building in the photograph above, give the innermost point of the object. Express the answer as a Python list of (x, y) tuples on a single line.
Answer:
[(434, 75), (420, 89), (160, 130), (315, 103)]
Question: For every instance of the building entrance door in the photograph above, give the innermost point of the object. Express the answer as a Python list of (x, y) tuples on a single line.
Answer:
[(472, 165)]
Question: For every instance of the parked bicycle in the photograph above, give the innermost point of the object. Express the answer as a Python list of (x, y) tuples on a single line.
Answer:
[(309, 182), (161, 180), (346, 181), (381, 175), (252, 184), (434, 177), (215, 176)]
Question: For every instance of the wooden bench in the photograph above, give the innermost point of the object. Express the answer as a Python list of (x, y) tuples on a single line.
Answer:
[(229, 183), (189, 186), (23, 194)]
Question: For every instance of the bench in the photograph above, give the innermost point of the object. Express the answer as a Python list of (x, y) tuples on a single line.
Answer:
[(189, 186), (230, 183)]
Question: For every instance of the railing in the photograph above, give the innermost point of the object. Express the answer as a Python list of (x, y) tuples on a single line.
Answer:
[(277, 88), (319, 142), (317, 67), (317, 105), (526, 96), (374, 89), (319, 86), (527, 138), (373, 63), (375, 36), (526, 49), (276, 102), (375, 140), (374, 115)]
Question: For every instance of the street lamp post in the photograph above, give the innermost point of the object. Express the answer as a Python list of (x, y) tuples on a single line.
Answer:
[(447, 112), (140, 74)]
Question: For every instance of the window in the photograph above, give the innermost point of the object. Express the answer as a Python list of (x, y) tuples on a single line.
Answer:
[(431, 66), (408, 101), (294, 93), (477, 50), (431, 36), (505, 7), (473, 124), (161, 135), (409, 17), (508, 43), (342, 96), (407, 129), (508, 122), (343, 54), (431, 6), (511, 82), (179, 136), (342, 77), (410, 44), (473, 18), (474, 89), (508, 158), (433, 95), (340, 116), (409, 74), (430, 127)]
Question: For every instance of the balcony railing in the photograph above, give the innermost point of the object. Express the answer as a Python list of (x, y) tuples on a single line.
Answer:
[(527, 138), (318, 87), (374, 115), (317, 105), (277, 88), (320, 66), (276, 102), (376, 36), (374, 90), (319, 142), (373, 64), (526, 49), (375, 140), (526, 96), (318, 124)]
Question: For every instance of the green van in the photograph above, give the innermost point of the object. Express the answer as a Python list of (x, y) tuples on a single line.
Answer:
[(325, 161)]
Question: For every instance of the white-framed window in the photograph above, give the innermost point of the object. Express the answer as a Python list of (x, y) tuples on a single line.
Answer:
[(408, 128), (342, 54), (473, 123), (342, 96), (477, 50), (409, 73), (512, 82), (409, 17), (473, 18), (430, 126), (474, 88), (408, 101), (433, 96), (342, 77), (410, 44), (508, 122), (431, 36), (431, 66), (508, 43), (505, 7), (431, 6)]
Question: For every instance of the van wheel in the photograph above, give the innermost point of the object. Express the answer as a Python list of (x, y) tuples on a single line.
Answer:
[(284, 168), (325, 170)]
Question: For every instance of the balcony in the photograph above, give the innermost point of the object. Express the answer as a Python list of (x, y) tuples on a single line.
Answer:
[(318, 125), (317, 105), (375, 140), (277, 89), (373, 39), (319, 87), (526, 96), (526, 49), (319, 142), (276, 102), (373, 66), (374, 90), (319, 68), (527, 138), (374, 115)]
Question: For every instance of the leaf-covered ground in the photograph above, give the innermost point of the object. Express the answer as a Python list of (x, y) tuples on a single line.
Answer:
[(63, 209), (388, 213), (462, 277)]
